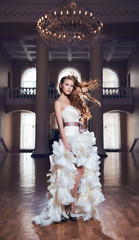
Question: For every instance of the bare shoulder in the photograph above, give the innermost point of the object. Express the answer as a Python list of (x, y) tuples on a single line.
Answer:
[(58, 104)]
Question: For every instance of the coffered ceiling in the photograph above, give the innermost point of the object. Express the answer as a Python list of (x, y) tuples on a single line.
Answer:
[(25, 49)]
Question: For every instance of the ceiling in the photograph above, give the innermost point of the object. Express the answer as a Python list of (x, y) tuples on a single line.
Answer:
[(24, 48), (120, 35), (58, 2)]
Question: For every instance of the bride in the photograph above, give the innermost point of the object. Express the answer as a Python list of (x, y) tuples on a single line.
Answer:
[(74, 186)]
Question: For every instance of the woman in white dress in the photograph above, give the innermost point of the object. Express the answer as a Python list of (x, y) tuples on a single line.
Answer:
[(74, 188)]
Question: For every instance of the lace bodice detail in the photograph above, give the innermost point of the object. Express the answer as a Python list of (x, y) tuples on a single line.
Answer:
[(70, 114)]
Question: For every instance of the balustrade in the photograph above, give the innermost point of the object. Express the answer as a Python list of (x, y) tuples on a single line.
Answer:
[(117, 93), (29, 93), (21, 93), (113, 98), (52, 93)]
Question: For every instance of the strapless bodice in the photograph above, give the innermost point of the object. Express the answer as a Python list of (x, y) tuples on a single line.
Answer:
[(71, 114)]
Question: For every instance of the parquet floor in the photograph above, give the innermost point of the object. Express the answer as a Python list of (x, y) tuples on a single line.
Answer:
[(22, 195)]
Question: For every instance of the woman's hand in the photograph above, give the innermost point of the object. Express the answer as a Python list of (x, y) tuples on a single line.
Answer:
[(67, 145)]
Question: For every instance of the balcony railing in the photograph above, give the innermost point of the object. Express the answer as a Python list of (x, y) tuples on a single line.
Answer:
[(20, 99), (117, 93), (118, 99), (20, 93), (52, 93), (112, 97), (13, 94)]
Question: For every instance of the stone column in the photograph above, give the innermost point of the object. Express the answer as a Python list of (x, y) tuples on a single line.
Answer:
[(96, 123), (42, 114)]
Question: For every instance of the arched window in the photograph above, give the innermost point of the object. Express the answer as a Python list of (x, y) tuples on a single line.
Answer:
[(29, 78), (110, 78), (28, 120)]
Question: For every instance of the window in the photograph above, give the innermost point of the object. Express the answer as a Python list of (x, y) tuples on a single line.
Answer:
[(27, 136), (27, 130), (110, 78), (111, 123), (29, 78)]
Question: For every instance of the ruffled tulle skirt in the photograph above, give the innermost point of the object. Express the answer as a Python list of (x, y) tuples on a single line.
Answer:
[(62, 179)]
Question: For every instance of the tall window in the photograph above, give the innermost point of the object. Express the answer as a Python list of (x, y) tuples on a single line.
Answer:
[(27, 130), (29, 78), (110, 78), (27, 135), (111, 123)]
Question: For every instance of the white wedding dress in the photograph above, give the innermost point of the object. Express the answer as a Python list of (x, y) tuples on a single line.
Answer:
[(63, 170)]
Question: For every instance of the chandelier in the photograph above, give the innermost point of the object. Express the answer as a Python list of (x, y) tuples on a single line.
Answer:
[(69, 26)]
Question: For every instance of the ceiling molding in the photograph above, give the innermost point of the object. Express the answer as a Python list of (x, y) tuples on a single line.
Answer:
[(124, 13)]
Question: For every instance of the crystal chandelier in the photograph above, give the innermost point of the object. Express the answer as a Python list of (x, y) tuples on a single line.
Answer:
[(69, 26)]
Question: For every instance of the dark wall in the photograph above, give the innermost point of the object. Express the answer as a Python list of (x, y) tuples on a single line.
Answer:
[(5, 80), (133, 119)]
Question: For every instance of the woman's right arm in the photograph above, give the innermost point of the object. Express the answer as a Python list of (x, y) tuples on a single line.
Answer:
[(60, 125)]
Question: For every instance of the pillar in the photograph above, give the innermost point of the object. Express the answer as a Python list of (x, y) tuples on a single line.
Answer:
[(42, 113), (96, 122)]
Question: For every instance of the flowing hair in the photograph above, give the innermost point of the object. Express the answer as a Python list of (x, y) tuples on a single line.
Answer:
[(81, 91)]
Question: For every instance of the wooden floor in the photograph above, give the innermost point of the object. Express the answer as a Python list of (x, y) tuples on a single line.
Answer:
[(22, 195)]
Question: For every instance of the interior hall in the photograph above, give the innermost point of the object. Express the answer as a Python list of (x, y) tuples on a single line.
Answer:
[(30, 70)]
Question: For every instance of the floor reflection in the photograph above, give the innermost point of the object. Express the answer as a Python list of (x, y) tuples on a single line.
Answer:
[(27, 172), (112, 170), (23, 187)]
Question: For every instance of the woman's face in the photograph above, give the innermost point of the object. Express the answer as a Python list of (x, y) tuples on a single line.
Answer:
[(67, 86)]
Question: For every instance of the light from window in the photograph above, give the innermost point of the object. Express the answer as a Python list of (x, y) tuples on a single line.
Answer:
[(27, 130), (27, 136), (29, 78), (27, 173), (111, 122), (110, 78)]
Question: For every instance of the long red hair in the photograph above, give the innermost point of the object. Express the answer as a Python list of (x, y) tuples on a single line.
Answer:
[(81, 91)]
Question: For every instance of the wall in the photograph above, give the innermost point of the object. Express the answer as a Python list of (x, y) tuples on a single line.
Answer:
[(123, 130), (133, 119), (5, 119)]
